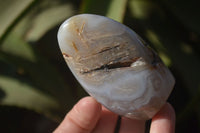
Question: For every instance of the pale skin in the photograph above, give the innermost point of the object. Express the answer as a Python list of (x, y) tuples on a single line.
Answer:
[(89, 116)]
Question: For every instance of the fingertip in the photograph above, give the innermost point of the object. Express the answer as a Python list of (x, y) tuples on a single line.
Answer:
[(164, 120), (88, 105), (107, 122), (166, 112), (82, 118)]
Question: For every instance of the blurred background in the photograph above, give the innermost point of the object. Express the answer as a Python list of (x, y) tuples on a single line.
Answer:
[(36, 87)]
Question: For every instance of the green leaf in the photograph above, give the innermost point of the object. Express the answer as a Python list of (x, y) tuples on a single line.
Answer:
[(141, 9), (43, 17), (114, 9), (117, 10), (40, 72), (15, 46), (11, 12), (20, 94), (161, 50), (95, 6), (46, 20)]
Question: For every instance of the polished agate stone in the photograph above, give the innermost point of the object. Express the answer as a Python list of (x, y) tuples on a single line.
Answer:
[(114, 65)]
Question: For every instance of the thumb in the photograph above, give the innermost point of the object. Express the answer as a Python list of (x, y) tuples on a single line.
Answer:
[(82, 118)]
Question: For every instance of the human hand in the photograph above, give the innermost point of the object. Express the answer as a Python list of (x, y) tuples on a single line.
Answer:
[(89, 116)]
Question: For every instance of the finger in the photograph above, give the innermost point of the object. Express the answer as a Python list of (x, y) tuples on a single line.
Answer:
[(164, 120), (107, 122), (130, 126), (82, 118)]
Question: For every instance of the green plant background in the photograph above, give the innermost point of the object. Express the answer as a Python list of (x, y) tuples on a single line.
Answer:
[(36, 87)]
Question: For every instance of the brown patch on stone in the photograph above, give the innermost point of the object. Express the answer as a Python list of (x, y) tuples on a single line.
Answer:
[(65, 55), (74, 45)]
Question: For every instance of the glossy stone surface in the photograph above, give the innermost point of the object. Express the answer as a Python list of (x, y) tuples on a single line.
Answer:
[(114, 66)]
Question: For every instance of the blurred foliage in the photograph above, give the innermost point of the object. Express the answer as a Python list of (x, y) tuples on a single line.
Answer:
[(24, 121), (33, 74)]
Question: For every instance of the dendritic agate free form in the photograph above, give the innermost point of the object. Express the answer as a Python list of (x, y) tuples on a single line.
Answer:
[(114, 66)]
